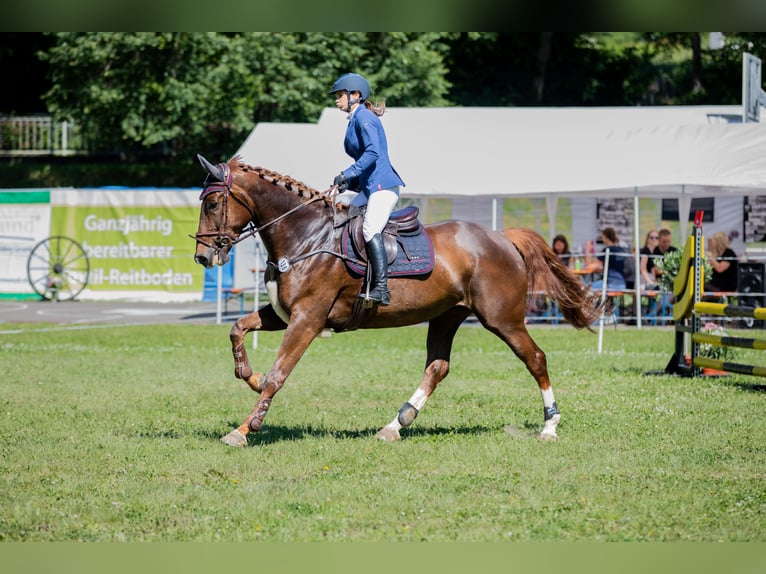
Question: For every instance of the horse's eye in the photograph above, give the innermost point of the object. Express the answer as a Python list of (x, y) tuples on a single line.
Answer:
[(211, 206)]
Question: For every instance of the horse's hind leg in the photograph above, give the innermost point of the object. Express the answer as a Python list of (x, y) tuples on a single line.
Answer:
[(265, 319), (522, 344), (441, 333)]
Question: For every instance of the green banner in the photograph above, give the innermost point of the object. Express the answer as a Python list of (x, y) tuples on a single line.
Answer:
[(25, 196), (134, 248)]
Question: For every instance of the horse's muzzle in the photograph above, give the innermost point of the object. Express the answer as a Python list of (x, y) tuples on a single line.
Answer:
[(209, 257)]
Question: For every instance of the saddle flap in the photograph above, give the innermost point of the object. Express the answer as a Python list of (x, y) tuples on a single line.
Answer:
[(403, 221)]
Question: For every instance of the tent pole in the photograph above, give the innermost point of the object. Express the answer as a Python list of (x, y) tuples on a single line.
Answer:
[(637, 259), (604, 274), (218, 287), (494, 214), (551, 202)]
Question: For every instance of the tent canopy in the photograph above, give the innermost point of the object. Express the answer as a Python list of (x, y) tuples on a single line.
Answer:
[(501, 152)]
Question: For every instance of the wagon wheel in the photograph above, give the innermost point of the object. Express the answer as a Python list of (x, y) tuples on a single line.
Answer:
[(58, 268)]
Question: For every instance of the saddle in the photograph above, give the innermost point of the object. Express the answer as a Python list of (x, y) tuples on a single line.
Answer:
[(409, 250), (402, 222)]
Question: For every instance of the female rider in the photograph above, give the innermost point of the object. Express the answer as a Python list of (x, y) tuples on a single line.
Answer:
[(371, 174)]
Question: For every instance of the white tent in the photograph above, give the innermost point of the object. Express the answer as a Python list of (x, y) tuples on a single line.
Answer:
[(664, 152), (510, 151), (499, 152)]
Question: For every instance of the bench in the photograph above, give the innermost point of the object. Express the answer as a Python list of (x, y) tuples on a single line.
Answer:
[(234, 294)]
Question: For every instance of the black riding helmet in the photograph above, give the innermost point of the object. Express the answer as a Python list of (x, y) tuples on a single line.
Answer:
[(352, 83)]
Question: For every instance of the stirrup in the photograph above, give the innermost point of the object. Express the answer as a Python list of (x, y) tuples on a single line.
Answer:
[(376, 296), (380, 295)]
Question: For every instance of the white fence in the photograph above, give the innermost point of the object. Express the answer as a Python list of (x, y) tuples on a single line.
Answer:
[(39, 135)]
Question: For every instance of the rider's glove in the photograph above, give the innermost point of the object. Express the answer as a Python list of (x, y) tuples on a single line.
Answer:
[(340, 182)]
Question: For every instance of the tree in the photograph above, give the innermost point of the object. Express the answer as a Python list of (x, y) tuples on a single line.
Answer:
[(142, 90), (185, 90), (545, 69)]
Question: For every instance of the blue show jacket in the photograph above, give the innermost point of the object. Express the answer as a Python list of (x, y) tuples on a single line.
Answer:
[(366, 142)]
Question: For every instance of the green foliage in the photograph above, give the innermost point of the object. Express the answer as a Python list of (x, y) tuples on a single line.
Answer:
[(118, 441), (179, 93), (670, 264), (203, 91)]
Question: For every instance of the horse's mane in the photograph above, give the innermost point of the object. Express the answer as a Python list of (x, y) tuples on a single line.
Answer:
[(285, 181)]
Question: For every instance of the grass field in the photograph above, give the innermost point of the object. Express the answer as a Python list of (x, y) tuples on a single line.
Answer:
[(113, 434)]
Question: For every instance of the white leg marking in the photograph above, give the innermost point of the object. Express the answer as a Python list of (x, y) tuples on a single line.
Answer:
[(390, 432), (394, 425), (549, 429), (418, 399), (548, 399)]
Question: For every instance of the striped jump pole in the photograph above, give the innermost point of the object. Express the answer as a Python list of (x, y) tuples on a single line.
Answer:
[(721, 309), (726, 341), (708, 363), (706, 308), (689, 307)]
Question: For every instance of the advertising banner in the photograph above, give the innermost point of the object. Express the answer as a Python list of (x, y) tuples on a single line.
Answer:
[(24, 221), (137, 241)]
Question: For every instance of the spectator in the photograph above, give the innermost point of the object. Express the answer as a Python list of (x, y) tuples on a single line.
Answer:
[(560, 246), (664, 246), (615, 275), (723, 260), (648, 278)]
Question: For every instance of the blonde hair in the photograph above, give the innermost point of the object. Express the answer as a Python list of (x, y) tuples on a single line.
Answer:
[(720, 240)]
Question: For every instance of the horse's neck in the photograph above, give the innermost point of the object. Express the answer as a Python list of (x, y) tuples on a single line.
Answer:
[(291, 228)]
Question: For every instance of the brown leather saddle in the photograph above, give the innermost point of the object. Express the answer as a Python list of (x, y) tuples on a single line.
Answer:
[(402, 222)]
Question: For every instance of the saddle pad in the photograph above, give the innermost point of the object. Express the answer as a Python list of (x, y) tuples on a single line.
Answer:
[(414, 255)]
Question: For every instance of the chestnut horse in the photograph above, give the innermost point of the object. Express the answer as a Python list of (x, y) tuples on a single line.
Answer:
[(476, 271)]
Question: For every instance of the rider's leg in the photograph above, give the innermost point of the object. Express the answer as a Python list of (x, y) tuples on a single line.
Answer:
[(379, 207)]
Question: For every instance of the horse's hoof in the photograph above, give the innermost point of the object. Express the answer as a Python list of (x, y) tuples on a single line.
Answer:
[(549, 429), (388, 434), (234, 438)]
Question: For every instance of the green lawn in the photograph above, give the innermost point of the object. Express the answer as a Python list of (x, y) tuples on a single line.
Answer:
[(113, 434)]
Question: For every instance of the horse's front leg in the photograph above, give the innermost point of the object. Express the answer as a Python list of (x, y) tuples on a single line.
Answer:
[(298, 337), (265, 319)]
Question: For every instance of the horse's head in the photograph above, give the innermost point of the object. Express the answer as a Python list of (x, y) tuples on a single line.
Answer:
[(226, 210)]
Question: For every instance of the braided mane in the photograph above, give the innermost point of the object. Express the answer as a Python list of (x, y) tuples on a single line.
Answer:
[(285, 181)]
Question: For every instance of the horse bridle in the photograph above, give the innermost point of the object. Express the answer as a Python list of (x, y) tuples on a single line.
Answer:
[(223, 239)]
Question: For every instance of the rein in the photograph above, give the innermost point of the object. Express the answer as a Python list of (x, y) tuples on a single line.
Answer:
[(223, 240)]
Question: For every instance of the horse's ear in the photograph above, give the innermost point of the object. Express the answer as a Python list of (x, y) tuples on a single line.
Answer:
[(213, 170)]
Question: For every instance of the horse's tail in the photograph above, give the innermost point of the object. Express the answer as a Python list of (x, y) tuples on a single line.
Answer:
[(580, 305)]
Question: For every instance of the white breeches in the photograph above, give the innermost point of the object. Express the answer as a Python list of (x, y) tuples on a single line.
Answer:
[(379, 207)]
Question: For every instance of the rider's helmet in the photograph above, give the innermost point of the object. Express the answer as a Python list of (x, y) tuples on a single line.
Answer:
[(352, 83)]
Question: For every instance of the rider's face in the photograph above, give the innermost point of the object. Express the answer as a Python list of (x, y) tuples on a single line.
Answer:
[(341, 100)]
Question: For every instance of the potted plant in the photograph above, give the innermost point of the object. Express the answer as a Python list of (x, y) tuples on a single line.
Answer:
[(669, 264)]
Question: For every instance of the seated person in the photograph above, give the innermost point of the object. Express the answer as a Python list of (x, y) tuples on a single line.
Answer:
[(560, 246), (615, 275), (723, 260), (648, 279)]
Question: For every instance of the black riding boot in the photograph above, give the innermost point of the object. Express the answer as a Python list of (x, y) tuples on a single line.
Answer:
[(376, 255)]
